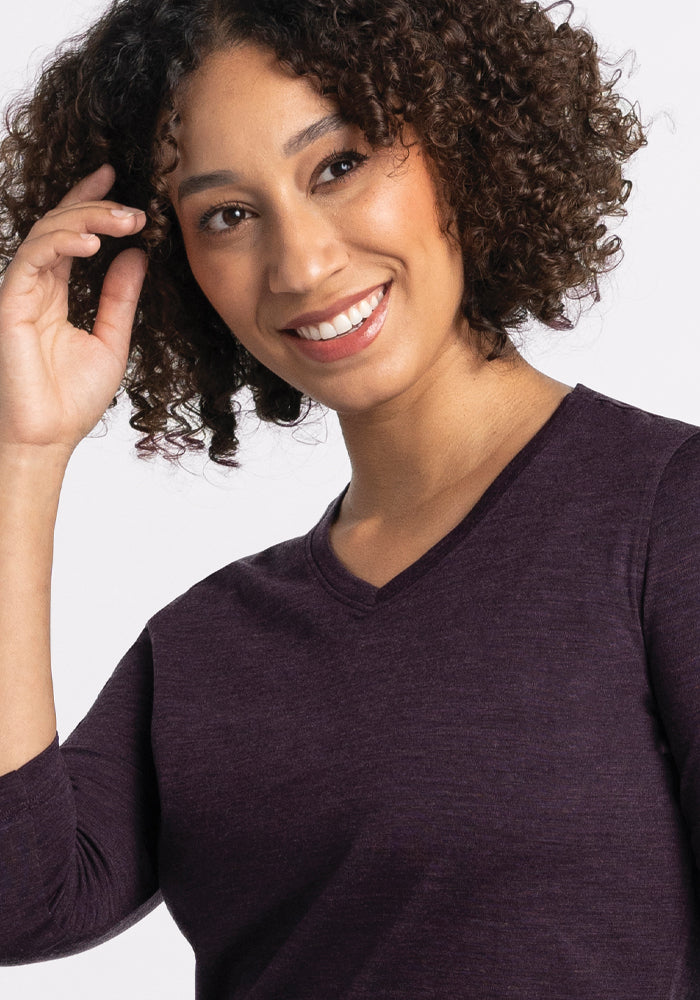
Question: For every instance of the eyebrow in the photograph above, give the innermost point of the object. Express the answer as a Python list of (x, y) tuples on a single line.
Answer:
[(202, 182), (324, 126), (220, 178)]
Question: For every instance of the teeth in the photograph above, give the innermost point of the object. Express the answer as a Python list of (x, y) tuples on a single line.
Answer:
[(341, 324), (344, 322), (309, 332)]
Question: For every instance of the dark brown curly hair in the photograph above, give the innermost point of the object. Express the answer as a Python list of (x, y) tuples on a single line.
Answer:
[(526, 137)]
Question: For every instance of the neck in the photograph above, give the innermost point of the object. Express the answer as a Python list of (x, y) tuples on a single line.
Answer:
[(408, 454)]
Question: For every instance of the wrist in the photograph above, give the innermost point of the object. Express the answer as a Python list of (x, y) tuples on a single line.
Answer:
[(36, 470)]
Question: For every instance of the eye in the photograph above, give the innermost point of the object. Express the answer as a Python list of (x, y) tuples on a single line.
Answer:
[(223, 218), (339, 164)]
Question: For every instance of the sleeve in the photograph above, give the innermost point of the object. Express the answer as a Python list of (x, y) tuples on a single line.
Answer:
[(671, 612), (79, 827)]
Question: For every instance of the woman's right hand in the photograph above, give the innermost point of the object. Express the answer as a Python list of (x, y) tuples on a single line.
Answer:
[(56, 381)]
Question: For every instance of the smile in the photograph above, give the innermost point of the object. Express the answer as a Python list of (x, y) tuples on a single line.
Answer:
[(358, 336), (345, 322)]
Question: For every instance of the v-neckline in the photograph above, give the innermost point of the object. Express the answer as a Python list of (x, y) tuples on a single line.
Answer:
[(345, 586)]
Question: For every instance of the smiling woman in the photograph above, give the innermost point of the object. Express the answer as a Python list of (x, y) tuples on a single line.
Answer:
[(281, 244), (524, 135), (445, 743)]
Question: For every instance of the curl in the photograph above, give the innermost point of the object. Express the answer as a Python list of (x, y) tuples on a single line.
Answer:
[(526, 136)]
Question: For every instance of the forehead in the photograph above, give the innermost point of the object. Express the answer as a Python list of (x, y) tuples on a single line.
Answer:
[(243, 97)]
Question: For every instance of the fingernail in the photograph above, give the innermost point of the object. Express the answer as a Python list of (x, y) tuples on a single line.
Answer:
[(88, 236), (125, 213)]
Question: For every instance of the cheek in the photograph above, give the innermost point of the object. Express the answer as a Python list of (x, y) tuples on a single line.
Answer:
[(196, 260), (228, 284), (405, 212), (387, 214)]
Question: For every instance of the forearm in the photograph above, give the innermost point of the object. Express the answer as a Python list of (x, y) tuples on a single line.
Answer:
[(30, 483)]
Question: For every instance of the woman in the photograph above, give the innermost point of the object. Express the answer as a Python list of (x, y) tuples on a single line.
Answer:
[(443, 744)]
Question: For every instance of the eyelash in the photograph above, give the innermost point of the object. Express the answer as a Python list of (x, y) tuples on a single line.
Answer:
[(340, 156), (335, 157)]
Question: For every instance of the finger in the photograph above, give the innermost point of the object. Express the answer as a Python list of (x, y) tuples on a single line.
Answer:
[(46, 251), (107, 217), (120, 294), (52, 252), (91, 188)]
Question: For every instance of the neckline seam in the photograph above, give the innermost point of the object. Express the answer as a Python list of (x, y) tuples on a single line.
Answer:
[(353, 602), (416, 571)]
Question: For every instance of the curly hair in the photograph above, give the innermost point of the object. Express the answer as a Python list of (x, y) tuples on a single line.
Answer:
[(526, 137)]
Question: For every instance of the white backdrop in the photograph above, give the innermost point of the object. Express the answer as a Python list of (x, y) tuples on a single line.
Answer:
[(132, 535)]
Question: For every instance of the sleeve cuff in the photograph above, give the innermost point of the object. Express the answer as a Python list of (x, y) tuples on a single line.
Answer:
[(36, 781)]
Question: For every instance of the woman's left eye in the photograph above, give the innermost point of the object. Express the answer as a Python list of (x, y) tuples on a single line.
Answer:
[(338, 165)]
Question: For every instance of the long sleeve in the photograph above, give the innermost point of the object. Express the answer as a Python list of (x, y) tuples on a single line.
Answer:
[(79, 826), (672, 620)]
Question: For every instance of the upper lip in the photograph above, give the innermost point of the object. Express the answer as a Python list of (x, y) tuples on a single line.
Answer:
[(323, 315)]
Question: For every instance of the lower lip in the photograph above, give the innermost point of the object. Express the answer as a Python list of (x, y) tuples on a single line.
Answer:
[(347, 344)]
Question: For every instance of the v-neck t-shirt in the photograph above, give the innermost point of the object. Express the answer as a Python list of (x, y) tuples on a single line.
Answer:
[(480, 780)]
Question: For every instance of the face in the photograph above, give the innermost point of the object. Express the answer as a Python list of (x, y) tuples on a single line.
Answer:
[(296, 230)]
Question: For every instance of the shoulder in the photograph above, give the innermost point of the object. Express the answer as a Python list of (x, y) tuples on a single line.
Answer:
[(255, 588), (237, 581), (616, 423), (594, 484), (621, 471), (607, 441)]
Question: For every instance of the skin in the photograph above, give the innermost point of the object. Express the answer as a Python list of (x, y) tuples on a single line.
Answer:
[(55, 380), (427, 422), (55, 383), (306, 243)]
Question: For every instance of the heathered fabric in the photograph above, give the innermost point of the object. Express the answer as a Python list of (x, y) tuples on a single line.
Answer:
[(479, 781)]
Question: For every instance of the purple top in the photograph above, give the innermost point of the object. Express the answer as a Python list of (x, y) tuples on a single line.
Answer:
[(479, 781)]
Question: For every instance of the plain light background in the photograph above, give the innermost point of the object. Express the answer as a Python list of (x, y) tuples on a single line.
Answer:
[(133, 535)]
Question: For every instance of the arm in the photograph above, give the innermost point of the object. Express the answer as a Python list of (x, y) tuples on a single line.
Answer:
[(76, 832), (55, 383), (79, 826), (672, 620), (30, 483)]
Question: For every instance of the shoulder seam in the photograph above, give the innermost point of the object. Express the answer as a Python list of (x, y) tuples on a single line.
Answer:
[(645, 543)]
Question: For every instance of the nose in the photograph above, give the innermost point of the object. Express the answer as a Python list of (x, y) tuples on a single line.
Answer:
[(306, 248)]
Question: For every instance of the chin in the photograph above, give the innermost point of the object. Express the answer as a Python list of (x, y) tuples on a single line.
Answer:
[(362, 402)]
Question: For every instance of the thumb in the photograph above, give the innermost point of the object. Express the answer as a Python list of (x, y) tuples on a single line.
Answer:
[(117, 307)]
